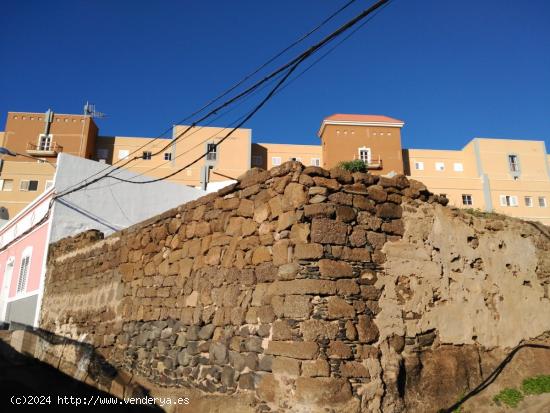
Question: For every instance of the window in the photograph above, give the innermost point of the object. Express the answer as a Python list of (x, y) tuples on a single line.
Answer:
[(102, 154), (6, 185), (439, 166), (146, 155), (257, 160), (458, 167), (211, 152), (24, 272), (315, 161), (508, 200), (542, 201), (44, 142), (28, 186), (528, 201), (123, 153), (364, 154), (419, 166), (49, 184), (467, 199), (513, 162), (167, 156), (276, 160)]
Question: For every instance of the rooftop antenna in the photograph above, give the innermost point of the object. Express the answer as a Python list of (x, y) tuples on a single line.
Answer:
[(89, 110)]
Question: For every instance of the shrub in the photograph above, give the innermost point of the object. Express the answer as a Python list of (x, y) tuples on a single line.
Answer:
[(509, 397), (354, 166), (536, 385)]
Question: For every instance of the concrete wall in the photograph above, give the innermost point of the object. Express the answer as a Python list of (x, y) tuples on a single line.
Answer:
[(109, 205)]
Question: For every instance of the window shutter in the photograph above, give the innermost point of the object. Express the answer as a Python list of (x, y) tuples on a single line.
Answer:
[(514, 201), (502, 200)]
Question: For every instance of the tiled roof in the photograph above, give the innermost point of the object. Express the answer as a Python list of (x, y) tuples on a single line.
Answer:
[(344, 117)]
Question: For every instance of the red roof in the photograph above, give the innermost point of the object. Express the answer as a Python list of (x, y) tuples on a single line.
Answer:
[(343, 117)]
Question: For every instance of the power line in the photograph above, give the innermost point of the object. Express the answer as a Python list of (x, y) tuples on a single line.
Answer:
[(225, 93), (297, 60), (289, 67)]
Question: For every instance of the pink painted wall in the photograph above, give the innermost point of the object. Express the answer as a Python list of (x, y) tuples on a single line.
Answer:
[(36, 239)]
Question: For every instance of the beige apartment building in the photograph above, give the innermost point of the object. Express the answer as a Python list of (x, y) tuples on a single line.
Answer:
[(165, 156), (503, 175)]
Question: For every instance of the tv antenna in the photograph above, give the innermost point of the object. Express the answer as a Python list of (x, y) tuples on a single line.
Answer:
[(89, 110)]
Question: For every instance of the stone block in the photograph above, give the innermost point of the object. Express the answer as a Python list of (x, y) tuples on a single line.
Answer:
[(285, 366), (299, 233), (281, 330), (358, 237), (341, 175), (347, 287), (261, 254), (354, 369), (335, 269), (302, 350), (316, 368), (327, 183), (286, 220), (367, 330), (345, 213), (328, 231), (376, 239), (395, 227), (316, 171), (323, 390), (389, 210), (320, 210), (308, 251), (282, 252), (339, 308), (294, 196), (339, 350), (341, 198), (297, 307), (302, 286), (363, 203), (261, 213), (377, 193)]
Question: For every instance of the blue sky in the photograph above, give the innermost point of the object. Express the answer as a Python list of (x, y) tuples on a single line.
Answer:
[(452, 70)]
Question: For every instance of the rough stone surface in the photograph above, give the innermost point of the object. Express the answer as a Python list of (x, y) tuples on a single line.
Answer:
[(373, 298)]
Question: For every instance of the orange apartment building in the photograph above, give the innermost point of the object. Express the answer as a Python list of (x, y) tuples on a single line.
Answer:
[(37, 139), (502, 175)]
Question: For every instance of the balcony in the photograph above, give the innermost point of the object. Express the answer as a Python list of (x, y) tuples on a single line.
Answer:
[(375, 163), (51, 149)]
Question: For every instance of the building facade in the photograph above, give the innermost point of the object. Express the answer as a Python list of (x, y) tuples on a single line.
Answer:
[(107, 206), (38, 139), (502, 175)]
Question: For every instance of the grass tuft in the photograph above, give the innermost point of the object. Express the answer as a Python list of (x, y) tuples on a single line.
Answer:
[(509, 397), (536, 385)]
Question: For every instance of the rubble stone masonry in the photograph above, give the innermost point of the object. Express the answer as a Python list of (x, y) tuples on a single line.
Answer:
[(308, 289)]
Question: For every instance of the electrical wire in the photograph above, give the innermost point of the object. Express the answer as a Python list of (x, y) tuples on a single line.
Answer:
[(297, 60), (225, 93)]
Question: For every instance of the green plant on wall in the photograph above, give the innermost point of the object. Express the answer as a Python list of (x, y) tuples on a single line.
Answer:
[(536, 385), (354, 166), (509, 397)]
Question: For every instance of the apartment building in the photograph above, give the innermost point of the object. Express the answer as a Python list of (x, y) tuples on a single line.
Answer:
[(165, 156), (37, 139), (501, 175), (268, 155)]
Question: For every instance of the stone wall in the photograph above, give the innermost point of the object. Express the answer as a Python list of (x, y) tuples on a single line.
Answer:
[(297, 286)]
